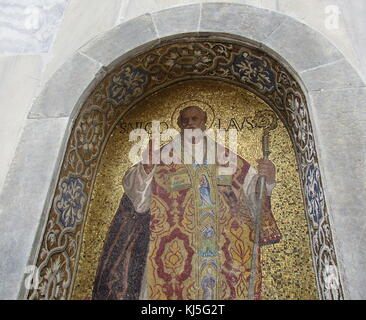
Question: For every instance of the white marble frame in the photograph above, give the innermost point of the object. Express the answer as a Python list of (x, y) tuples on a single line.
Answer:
[(335, 95)]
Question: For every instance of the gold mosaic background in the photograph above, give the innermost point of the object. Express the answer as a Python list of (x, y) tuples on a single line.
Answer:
[(287, 266)]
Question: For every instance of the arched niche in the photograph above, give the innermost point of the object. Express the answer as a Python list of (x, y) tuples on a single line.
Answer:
[(193, 57), (286, 271)]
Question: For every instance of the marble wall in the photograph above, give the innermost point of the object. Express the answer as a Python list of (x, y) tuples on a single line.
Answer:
[(29, 26)]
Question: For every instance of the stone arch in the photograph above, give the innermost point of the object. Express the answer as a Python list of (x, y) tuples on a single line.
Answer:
[(274, 36)]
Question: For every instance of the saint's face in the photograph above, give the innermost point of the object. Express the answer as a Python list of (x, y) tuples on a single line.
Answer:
[(192, 118)]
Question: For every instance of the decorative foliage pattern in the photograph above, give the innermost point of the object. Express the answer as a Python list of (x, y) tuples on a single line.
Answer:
[(126, 84), (199, 58), (254, 70), (69, 203), (314, 196)]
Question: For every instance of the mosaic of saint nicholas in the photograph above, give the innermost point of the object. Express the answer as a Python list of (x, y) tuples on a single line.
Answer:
[(184, 231)]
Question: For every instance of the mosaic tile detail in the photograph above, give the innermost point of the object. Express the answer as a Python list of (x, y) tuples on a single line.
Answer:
[(191, 59), (70, 202), (287, 267)]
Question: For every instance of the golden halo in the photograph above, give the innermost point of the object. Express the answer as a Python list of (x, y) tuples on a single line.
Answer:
[(198, 103)]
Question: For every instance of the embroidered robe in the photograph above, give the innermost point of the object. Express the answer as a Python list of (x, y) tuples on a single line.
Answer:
[(184, 232)]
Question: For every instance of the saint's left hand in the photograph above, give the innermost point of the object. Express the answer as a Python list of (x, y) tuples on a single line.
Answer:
[(268, 169)]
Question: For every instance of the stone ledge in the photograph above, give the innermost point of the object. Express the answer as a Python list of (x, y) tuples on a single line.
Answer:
[(108, 48), (70, 84), (82, 21), (242, 20), (178, 20), (308, 51), (336, 75)]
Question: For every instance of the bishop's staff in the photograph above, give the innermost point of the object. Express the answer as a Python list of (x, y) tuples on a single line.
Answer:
[(268, 121)]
